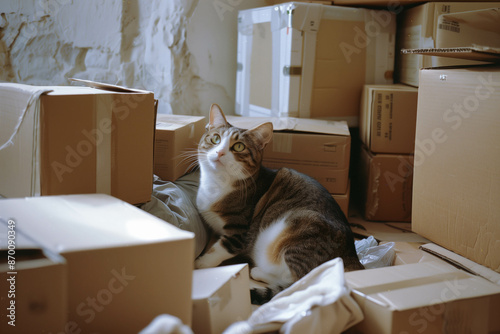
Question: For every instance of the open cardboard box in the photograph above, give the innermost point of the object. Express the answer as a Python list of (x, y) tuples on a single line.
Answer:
[(57, 140), (123, 266), (318, 148)]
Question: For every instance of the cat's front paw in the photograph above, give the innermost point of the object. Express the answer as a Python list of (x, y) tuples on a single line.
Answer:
[(202, 262)]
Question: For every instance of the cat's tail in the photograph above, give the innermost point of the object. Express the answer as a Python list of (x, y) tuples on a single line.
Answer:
[(261, 296)]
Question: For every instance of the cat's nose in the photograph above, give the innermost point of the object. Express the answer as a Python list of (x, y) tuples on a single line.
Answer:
[(220, 153)]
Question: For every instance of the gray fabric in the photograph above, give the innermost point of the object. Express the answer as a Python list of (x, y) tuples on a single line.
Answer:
[(175, 203)]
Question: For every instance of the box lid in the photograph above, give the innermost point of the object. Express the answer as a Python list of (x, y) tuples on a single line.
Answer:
[(417, 285), (286, 124), (478, 53), (174, 122), (91, 221)]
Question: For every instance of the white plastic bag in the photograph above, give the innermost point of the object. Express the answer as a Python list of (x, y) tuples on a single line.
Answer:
[(372, 255)]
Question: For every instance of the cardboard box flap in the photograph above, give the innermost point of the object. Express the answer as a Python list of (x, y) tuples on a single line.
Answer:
[(469, 28), (478, 53), (17, 101), (174, 122), (287, 124), (207, 281), (462, 262), (418, 285), (109, 87), (98, 221)]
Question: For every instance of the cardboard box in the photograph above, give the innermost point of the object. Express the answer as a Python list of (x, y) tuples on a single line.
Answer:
[(221, 296), (311, 60), (386, 186), (124, 266), (318, 148), (425, 297), (33, 285), (176, 144), (388, 118), (456, 186), (418, 29), (343, 200), (70, 140), (471, 28)]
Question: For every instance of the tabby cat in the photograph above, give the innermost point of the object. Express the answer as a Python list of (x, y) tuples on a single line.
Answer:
[(285, 222)]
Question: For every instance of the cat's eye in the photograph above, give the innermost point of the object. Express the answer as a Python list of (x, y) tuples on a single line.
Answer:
[(238, 147), (215, 139)]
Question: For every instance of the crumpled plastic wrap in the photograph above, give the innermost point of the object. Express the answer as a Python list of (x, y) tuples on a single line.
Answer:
[(372, 255)]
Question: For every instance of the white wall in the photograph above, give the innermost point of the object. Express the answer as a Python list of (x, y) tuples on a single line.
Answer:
[(182, 50)]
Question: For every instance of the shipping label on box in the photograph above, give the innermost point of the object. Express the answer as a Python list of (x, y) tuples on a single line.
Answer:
[(69, 140), (176, 144), (386, 185), (419, 27), (310, 60), (388, 117), (456, 186), (117, 256), (318, 148)]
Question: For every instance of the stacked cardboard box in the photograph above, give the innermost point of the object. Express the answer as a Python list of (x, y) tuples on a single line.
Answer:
[(387, 131), (318, 148), (310, 60), (419, 27), (176, 144)]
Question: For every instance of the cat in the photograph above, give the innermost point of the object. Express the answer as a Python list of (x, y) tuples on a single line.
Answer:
[(285, 222)]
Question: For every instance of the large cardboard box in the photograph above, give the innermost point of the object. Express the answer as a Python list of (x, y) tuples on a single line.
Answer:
[(70, 140), (124, 266), (426, 297), (310, 60), (456, 187), (176, 144), (418, 29), (386, 186), (318, 148), (221, 296), (33, 285), (387, 118)]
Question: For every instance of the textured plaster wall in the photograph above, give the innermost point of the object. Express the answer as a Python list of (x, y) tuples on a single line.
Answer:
[(182, 50)]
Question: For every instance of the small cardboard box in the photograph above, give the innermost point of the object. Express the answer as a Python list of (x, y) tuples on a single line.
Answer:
[(456, 188), (176, 144), (124, 266), (425, 297), (318, 148), (310, 60), (33, 285), (418, 29), (386, 186), (71, 139), (221, 296), (388, 118)]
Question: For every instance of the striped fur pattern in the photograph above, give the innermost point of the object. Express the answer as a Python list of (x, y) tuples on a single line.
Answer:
[(283, 221)]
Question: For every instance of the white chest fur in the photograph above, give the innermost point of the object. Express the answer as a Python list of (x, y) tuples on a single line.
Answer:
[(212, 190)]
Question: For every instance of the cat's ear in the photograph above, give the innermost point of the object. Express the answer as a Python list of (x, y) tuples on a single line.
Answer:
[(263, 133), (217, 117)]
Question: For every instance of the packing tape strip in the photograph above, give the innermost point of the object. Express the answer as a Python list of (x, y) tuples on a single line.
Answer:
[(103, 127)]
